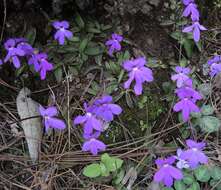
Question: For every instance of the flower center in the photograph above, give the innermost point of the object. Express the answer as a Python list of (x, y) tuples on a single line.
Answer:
[(62, 29), (89, 114), (135, 69), (165, 165), (46, 117), (194, 149)]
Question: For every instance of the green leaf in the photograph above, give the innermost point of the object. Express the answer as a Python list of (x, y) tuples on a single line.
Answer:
[(105, 157), (202, 173), (95, 88), (188, 46), (212, 182), (196, 115), (111, 163), (83, 44), (111, 88), (118, 163), (98, 59), (79, 21), (20, 70), (120, 77), (119, 177), (92, 170), (216, 183), (113, 67), (176, 35), (92, 91), (207, 110), (31, 35), (199, 46), (209, 124), (84, 57), (194, 186), (179, 185), (185, 133), (182, 22), (106, 27), (58, 74), (183, 62), (75, 39), (167, 87), (216, 173), (126, 55), (67, 49), (129, 100), (93, 30), (188, 179), (104, 170), (167, 188), (94, 50), (167, 23)]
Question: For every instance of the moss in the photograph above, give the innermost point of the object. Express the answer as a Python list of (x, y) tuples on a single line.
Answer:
[(136, 120)]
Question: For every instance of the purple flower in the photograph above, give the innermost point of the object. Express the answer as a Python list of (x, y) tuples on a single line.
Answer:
[(114, 44), (186, 106), (215, 69), (49, 120), (62, 31), (138, 72), (19, 40), (93, 135), (188, 92), (181, 163), (194, 154), (94, 146), (43, 65), (167, 172), (26, 47), (1, 62), (181, 77), (13, 52), (33, 60), (215, 65), (105, 109), (186, 2), (89, 120), (214, 59), (191, 10), (195, 29)]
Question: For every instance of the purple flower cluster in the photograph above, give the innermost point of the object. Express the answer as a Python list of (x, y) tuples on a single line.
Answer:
[(138, 72), (96, 117), (14, 50), (19, 47), (62, 31), (215, 65), (194, 154), (187, 95), (192, 11), (49, 119), (190, 158), (114, 44), (167, 172)]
